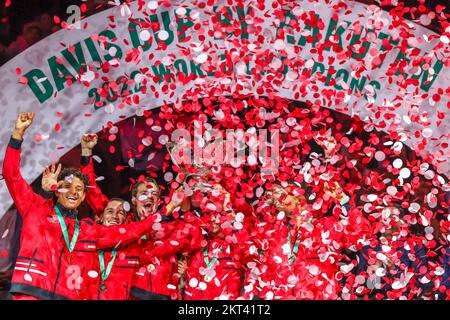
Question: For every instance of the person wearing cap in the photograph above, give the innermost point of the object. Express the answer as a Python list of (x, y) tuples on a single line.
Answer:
[(57, 250)]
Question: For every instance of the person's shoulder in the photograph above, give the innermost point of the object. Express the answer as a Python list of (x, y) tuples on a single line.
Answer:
[(87, 221)]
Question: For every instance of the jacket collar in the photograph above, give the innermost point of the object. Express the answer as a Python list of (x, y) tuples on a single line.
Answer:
[(67, 213)]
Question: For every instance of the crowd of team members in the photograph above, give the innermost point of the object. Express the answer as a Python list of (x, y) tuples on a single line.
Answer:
[(199, 243)]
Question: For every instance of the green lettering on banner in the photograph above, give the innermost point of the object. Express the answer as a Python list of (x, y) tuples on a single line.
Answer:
[(92, 49), (181, 66), (242, 14), (355, 83), (316, 66), (344, 73), (42, 89), (377, 86), (227, 17), (134, 36), (331, 32), (161, 71), (78, 63), (110, 35), (59, 72), (366, 44), (183, 25), (166, 22), (195, 69), (426, 83)]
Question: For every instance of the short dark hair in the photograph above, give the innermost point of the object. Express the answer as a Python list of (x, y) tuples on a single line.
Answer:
[(117, 199), (67, 172), (147, 179)]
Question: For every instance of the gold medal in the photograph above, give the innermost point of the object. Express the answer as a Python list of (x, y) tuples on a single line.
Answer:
[(150, 267), (103, 287)]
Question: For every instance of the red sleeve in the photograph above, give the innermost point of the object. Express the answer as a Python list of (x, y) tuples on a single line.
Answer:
[(181, 237), (20, 191), (94, 196), (114, 236)]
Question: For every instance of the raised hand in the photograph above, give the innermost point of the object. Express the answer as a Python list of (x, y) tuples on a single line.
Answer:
[(335, 192), (88, 142), (50, 178), (23, 121), (328, 143)]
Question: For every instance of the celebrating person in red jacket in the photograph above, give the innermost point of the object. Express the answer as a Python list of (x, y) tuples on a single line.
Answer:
[(154, 258), (57, 250), (215, 271)]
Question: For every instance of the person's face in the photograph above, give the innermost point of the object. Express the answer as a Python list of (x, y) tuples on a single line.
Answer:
[(71, 193), (282, 199), (146, 199), (114, 214), (391, 213)]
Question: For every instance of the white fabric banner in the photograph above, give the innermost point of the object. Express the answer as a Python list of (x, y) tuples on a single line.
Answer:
[(32, 80)]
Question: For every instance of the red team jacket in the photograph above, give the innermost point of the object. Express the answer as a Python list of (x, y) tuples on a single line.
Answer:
[(146, 270), (44, 268)]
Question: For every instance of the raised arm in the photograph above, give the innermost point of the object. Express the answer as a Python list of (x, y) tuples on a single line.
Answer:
[(113, 236), (94, 196), (21, 192), (180, 237)]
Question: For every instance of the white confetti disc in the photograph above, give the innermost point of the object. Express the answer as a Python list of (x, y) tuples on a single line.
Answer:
[(181, 11), (240, 217), (202, 286), (163, 139), (314, 270), (398, 163), (193, 282), (201, 58), (93, 274), (391, 190), (152, 5), (360, 279), (144, 35), (380, 156), (279, 44), (5, 233), (380, 272), (109, 108), (126, 206), (427, 132), (414, 207), (405, 173), (443, 167), (425, 19), (163, 35), (372, 197), (168, 176), (27, 277)]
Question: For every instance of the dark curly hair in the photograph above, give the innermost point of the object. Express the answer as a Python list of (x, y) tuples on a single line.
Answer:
[(67, 172)]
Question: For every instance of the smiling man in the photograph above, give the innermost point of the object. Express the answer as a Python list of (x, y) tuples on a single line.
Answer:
[(57, 250)]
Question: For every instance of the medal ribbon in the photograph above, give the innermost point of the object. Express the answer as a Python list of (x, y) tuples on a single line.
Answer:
[(101, 259), (293, 253), (62, 223), (205, 254)]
